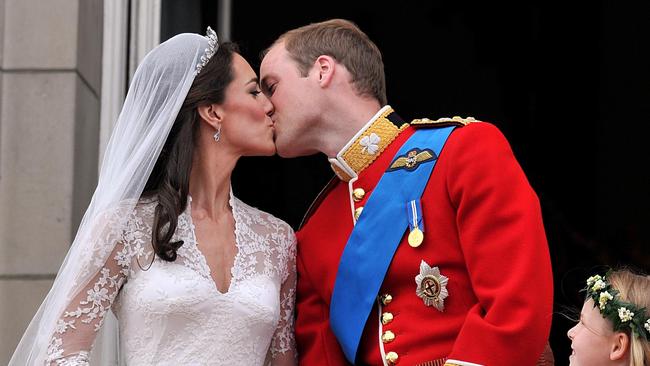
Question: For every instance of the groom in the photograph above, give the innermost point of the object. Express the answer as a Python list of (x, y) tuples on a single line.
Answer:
[(414, 254)]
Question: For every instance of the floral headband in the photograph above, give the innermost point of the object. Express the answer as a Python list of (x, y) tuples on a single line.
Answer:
[(622, 314)]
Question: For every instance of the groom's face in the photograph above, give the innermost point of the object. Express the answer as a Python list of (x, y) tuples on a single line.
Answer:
[(294, 99)]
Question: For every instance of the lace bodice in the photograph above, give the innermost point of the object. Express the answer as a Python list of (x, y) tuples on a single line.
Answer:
[(171, 313)]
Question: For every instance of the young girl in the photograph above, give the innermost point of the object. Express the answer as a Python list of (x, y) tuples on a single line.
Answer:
[(614, 326)]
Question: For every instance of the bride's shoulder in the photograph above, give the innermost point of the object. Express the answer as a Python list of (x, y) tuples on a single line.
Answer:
[(254, 216), (146, 206), (128, 213)]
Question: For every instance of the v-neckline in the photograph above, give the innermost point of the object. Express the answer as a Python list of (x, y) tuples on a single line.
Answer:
[(204, 259)]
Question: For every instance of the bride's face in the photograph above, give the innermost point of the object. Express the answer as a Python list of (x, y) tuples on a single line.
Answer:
[(246, 124)]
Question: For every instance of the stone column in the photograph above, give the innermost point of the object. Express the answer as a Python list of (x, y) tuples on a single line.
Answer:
[(50, 76)]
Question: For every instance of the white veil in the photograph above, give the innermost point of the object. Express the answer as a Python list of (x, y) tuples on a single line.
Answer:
[(155, 96)]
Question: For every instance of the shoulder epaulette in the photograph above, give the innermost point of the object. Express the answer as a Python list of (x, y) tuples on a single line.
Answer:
[(442, 122)]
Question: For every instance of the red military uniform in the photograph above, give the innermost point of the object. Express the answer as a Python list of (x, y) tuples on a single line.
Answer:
[(483, 231)]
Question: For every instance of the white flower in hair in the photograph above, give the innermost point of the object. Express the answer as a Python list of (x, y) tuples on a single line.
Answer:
[(591, 280), (604, 298), (599, 285), (647, 325), (213, 45), (624, 314)]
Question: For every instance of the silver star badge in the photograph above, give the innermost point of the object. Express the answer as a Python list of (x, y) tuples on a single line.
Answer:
[(431, 286)]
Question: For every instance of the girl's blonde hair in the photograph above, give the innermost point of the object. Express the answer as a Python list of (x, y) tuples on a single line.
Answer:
[(635, 289)]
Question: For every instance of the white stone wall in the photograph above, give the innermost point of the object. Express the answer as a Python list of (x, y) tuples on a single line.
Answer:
[(50, 82)]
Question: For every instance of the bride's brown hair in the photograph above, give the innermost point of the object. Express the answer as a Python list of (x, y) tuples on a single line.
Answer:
[(169, 181)]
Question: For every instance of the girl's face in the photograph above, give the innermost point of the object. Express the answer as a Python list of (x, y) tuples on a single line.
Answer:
[(591, 339)]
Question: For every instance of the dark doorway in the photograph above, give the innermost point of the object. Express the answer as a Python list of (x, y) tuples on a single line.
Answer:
[(567, 83)]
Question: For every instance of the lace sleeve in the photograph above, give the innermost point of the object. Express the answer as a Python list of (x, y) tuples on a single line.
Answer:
[(77, 327), (283, 344)]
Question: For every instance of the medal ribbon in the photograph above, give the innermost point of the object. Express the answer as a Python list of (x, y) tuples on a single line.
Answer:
[(414, 209)]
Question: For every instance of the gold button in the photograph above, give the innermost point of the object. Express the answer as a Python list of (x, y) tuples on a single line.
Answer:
[(388, 336), (358, 194), (386, 318), (392, 358), (357, 212), (386, 299)]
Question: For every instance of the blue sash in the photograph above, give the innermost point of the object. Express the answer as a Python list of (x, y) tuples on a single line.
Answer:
[(377, 234)]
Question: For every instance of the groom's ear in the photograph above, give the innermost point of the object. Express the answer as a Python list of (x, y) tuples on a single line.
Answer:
[(325, 67), (212, 114)]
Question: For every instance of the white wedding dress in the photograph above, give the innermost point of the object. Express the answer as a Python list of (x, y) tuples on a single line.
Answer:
[(171, 313)]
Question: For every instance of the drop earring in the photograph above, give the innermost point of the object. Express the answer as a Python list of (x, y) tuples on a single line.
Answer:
[(217, 135)]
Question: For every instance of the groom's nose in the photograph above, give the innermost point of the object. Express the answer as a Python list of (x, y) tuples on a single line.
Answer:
[(268, 106)]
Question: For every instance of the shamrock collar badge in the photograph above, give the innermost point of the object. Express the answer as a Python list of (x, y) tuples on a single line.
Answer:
[(431, 286), (370, 143)]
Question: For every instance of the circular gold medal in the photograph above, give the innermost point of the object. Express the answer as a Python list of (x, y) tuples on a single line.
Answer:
[(415, 238)]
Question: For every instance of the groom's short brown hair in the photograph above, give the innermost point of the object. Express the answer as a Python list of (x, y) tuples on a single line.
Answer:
[(345, 42)]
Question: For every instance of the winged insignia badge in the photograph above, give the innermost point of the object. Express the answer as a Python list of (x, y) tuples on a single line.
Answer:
[(412, 159)]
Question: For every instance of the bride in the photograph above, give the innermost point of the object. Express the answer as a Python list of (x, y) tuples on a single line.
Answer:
[(193, 275)]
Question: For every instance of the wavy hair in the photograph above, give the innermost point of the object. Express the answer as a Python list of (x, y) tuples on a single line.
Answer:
[(169, 182)]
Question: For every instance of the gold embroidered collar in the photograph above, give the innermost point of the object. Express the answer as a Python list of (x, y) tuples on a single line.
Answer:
[(367, 144)]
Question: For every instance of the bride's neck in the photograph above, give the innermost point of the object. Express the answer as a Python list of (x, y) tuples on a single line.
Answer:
[(210, 181)]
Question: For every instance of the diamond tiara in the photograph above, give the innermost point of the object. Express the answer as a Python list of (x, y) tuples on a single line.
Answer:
[(213, 45)]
